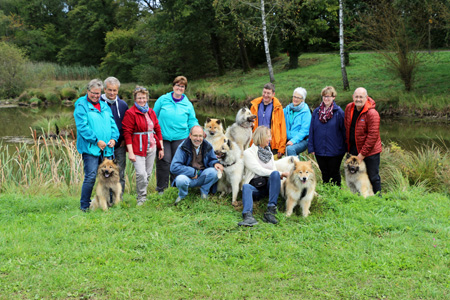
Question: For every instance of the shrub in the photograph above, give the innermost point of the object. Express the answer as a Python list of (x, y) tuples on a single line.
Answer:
[(38, 94), (24, 97), (52, 98), (68, 93), (35, 101), (12, 71)]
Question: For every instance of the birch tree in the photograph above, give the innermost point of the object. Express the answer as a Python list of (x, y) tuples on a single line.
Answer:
[(266, 43), (341, 44)]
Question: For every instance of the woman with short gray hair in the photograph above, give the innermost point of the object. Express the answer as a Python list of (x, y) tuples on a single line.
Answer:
[(97, 134)]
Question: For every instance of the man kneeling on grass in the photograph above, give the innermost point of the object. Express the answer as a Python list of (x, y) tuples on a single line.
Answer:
[(194, 164)]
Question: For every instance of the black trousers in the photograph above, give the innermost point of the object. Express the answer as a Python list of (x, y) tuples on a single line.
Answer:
[(163, 165), (330, 167), (373, 171)]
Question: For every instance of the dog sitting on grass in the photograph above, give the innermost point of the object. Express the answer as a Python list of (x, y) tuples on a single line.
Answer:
[(108, 184)]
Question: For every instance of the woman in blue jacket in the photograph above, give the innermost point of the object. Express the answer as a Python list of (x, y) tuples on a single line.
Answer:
[(327, 136), (298, 118), (97, 134), (176, 117)]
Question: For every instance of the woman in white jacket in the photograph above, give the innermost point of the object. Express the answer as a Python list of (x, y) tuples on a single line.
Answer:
[(261, 178)]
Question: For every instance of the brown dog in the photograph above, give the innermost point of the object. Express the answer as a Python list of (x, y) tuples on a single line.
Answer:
[(356, 176), (107, 180)]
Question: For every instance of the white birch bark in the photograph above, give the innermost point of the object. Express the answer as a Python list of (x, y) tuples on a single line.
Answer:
[(266, 43), (341, 44)]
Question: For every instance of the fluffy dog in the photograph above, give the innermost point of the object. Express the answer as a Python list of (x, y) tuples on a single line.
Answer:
[(108, 180), (299, 187), (356, 176), (240, 132), (286, 163), (230, 156), (214, 132)]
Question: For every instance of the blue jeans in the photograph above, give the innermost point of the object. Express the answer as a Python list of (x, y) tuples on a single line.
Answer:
[(90, 163), (272, 189), (206, 179), (296, 149)]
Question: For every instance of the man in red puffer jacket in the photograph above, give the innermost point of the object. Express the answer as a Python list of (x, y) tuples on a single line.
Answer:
[(362, 125)]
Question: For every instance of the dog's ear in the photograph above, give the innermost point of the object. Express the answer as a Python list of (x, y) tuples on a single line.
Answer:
[(218, 121), (347, 156), (229, 144), (291, 160), (208, 120)]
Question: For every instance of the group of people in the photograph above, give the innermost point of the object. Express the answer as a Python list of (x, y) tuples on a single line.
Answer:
[(171, 134)]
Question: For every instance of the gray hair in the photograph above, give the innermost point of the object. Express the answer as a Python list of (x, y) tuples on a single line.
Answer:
[(363, 89), (269, 86), (190, 131), (300, 91), (95, 84), (112, 81)]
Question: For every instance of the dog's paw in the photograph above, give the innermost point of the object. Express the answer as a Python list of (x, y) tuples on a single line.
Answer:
[(219, 174)]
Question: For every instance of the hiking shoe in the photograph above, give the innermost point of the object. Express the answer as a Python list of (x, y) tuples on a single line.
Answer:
[(248, 220), (140, 203), (269, 215), (204, 196), (177, 201)]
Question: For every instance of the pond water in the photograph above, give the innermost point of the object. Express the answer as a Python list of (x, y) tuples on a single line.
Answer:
[(409, 133)]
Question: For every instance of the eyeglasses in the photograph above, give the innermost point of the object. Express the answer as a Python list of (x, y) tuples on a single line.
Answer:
[(140, 89), (299, 98), (180, 86), (95, 94), (327, 96)]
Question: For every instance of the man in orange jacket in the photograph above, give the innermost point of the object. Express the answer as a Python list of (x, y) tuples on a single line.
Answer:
[(269, 113)]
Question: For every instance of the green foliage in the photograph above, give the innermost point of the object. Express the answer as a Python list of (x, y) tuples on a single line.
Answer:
[(24, 97), (35, 101), (69, 93), (52, 97), (38, 93), (12, 70)]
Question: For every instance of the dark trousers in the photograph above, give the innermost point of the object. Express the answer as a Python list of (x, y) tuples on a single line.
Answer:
[(163, 165), (373, 170), (330, 167)]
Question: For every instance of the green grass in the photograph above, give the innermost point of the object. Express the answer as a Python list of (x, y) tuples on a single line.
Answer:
[(349, 248)]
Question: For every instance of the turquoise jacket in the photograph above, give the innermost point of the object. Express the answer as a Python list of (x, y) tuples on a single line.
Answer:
[(94, 126), (175, 119), (297, 125)]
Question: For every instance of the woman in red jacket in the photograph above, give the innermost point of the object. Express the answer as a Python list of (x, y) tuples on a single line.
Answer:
[(143, 138)]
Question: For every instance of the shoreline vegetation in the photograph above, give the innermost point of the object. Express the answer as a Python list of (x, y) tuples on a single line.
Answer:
[(428, 99)]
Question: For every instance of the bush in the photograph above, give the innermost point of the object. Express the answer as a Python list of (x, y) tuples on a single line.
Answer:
[(12, 70), (38, 94), (35, 101), (68, 93), (52, 98), (24, 97)]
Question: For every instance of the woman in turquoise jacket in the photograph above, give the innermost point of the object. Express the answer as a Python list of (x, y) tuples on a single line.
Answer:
[(97, 134), (176, 117), (298, 119)]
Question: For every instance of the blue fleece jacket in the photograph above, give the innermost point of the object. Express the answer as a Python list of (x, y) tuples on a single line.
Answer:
[(327, 139), (93, 126), (182, 160), (175, 119), (297, 124)]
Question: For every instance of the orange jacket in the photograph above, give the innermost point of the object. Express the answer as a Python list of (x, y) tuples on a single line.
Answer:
[(277, 125)]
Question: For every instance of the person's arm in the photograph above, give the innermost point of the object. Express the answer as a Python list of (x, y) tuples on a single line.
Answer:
[(305, 122), (179, 165), (81, 122), (311, 135), (251, 163), (373, 131)]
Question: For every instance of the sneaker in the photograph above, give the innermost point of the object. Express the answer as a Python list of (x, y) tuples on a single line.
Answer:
[(140, 203), (161, 193), (269, 215), (204, 196), (249, 220), (177, 201)]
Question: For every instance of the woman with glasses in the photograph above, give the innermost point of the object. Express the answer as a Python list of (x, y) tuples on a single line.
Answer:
[(298, 118), (327, 136), (143, 138), (176, 117), (97, 134)]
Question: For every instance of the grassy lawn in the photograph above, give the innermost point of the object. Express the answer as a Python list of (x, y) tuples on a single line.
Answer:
[(349, 248)]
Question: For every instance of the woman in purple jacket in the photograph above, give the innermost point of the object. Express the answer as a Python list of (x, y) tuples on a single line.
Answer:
[(327, 136)]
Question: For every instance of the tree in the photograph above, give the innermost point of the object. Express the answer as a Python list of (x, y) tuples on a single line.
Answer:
[(341, 43), (12, 70), (266, 43)]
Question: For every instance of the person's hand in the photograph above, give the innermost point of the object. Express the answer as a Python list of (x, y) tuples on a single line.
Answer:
[(111, 143), (131, 157), (161, 154), (289, 143), (195, 177), (360, 157), (218, 167), (101, 145), (313, 153), (279, 155), (284, 175)]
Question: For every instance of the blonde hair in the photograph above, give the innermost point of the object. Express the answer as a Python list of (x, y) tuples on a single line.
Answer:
[(140, 89), (329, 90), (261, 135)]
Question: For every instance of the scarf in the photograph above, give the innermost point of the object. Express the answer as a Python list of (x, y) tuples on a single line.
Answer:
[(296, 108), (142, 109), (111, 102), (264, 154), (325, 113)]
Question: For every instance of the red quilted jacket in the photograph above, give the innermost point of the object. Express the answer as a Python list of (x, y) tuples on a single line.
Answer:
[(367, 128), (134, 121)]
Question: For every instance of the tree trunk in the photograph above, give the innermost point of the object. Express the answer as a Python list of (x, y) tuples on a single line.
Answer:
[(266, 43), (341, 44), (293, 59), (215, 43), (243, 53)]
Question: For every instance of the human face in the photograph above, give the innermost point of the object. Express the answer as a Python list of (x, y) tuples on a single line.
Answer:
[(267, 96), (297, 99), (178, 89), (94, 94), (111, 91), (269, 139), (196, 136), (360, 98), (327, 100), (141, 99)]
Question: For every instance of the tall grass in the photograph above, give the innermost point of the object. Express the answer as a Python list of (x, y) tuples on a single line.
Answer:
[(39, 72)]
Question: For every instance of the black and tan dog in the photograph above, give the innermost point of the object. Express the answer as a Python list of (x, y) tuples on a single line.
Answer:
[(356, 176), (107, 183)]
